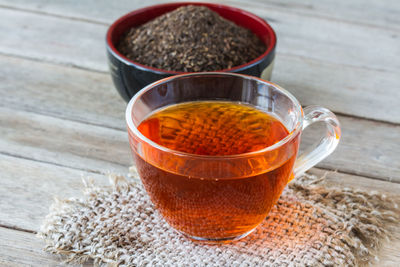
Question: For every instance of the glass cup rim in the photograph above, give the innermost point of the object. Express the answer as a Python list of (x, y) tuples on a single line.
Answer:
[(292, 134)]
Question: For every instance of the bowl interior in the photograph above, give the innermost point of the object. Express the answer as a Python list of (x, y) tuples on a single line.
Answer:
[(242, 18)]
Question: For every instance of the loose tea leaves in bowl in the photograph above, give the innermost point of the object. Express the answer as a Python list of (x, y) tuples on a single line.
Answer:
[(191, 39)]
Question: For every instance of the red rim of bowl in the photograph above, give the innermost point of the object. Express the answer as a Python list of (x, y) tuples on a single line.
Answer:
[(270, 46)]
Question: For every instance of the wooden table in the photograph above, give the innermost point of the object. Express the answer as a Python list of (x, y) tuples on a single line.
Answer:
[(60, 116)]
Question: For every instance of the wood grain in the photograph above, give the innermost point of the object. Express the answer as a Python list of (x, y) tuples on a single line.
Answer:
[(382, 13), (60, 91), (25, 198), (333, 178), (25, 249), (36, 85), (367, 148), (63, 142), (58, 123), (333, 41), (27, 189), (373, 94), (336, 84), (316, 37), (372, 13), (52, 39), (348, 90)]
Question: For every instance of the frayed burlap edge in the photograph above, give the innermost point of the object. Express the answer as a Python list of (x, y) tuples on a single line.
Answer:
[(370, 216)]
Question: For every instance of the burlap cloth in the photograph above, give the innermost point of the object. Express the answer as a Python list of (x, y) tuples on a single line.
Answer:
[(310, 226)]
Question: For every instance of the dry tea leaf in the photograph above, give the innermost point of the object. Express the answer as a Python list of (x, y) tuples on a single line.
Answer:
[(191, 39)]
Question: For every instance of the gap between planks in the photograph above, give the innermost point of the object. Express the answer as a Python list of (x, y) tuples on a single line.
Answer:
[(298, 41), (16, 228), (250, 4), (25, 249), (41, 137), (22, 246), (36, 60), (123, 129), (64, 182), (55, 163), (335, 84), (77, 66), (38, 12), (41, 60), (256, 5)]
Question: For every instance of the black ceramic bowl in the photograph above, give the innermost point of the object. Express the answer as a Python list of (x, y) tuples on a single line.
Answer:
[(129, 76)]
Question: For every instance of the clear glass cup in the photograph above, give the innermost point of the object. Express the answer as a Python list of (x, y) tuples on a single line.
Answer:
[(222, 198)]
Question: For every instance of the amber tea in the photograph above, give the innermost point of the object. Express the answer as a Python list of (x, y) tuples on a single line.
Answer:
[(214, 207), (214, 168)]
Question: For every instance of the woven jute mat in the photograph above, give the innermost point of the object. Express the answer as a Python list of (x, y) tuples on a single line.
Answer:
[(311, 225)]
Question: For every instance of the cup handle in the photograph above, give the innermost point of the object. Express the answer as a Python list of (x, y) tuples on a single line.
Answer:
[(316, 153)]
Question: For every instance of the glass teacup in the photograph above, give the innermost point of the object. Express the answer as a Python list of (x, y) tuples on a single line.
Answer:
[(223, 197)]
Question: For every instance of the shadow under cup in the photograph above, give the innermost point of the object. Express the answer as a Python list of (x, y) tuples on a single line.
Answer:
[(214, 198)]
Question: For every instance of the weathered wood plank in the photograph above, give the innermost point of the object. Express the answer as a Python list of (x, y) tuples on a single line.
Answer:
[(338, 179), (25, 198), (313, 81), (39, 90), (369, 12), (375, 13), (327, 40), (348, 77), (92, 10), (63, 142), (367, 148), (333, 41), (53, 39), (364, 149), (348, 90), (25, 249), (60, 91), (89, 96), (27, 189)]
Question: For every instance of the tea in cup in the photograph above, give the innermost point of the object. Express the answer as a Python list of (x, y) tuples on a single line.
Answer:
[(215, 150)]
